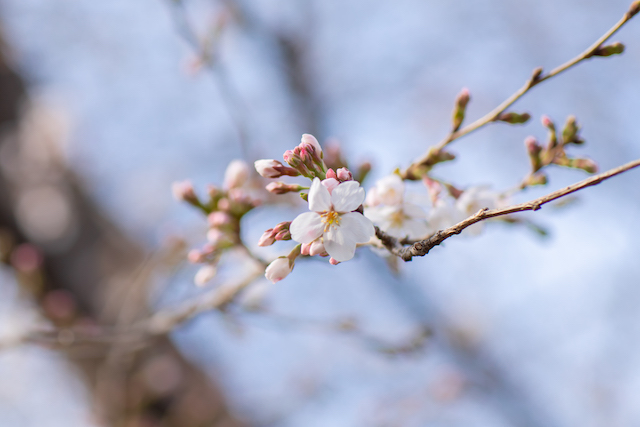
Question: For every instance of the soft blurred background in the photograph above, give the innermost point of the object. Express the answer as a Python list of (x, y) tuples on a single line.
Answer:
[(105, 104)]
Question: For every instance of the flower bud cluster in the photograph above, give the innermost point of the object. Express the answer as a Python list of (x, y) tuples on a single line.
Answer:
[(279, 232), (224, 208), (555, 151), (334, 224)]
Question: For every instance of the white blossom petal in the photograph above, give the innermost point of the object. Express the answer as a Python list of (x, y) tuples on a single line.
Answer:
[(347, 196), (340, 245), (390, 190), (319, 197), (306, 227), (358, 226)]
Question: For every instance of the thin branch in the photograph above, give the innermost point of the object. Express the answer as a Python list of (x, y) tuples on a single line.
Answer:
[(230, 96), (536, 78), (422, 247)]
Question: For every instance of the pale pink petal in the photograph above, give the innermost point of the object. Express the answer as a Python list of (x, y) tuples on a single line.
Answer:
[(319, 197), (330, 183), (306, 227), (357, 226), (341, 246), (347, 196)]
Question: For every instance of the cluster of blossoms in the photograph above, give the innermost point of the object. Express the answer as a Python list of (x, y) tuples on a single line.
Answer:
[(224, 208), (335, 223), (340, 217)]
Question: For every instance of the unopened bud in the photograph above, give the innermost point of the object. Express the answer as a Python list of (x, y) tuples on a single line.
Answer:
[(331, 174), (634, 9), (308, 139), (282, 188), (514, 118), (317, 248), (461, 106), (534, 149), (333, 261), (205, 274), (279, 269), (570, 131), (183, 191), (270, 168), (267, 238), (548, 123), (586, 165), (218, 219), (237, 174), (305, 248), (536, 179), (304, 196), (195, 256), (613, 49), (344, 175)]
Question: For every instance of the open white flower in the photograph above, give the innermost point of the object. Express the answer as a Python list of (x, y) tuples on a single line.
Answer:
[(331, 218), (475, 198), (387, 208)]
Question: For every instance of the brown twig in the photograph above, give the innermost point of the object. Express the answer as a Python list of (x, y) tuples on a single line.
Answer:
[(230, 96), (536, 78), (422, 247)]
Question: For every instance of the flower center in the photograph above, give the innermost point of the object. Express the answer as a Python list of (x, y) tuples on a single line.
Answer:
[(331, 218)]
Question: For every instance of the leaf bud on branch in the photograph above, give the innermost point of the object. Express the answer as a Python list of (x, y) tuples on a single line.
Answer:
[(461, 107)]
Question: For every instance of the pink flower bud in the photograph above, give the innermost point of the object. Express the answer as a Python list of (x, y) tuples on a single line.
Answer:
[(317, 247), (289, 157), (269, 168), (237, 174), (215, 236), (224, 204), (344, 175), (333, 261), (305, 248), (282, 188), (283, 235), (183, 191), (195, 256), (311, 140), (278, 269), (219, 218), (546, 121), (331, 174), (282, 226), (267, 238), (532, 145)]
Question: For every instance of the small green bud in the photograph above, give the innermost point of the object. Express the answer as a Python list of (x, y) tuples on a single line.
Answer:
[(514, 118), (570, 131), (613, 49), (586, 165), (538, 178), (461, 107)]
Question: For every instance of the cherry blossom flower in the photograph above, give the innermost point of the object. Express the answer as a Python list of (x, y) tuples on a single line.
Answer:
[(475, 198), (388, 209), (333, 219)]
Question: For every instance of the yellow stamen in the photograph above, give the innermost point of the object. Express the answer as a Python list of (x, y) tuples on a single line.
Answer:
[(331, 218)]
